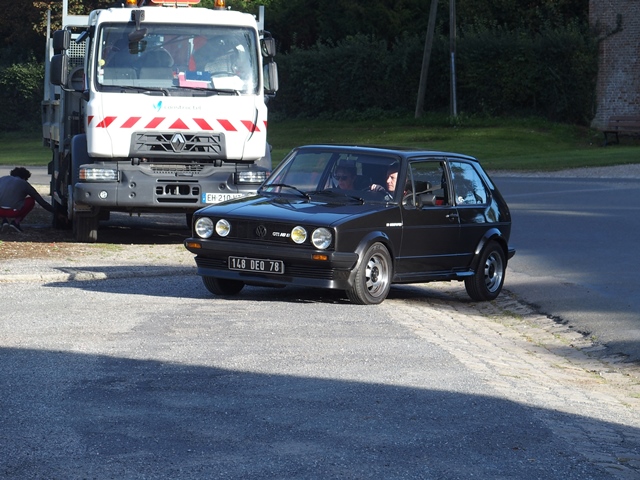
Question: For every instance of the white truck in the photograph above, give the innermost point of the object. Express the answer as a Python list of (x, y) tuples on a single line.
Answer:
[(159, 108)]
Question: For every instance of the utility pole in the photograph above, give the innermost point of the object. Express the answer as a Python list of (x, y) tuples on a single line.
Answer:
[(426, 58), (452, 51)]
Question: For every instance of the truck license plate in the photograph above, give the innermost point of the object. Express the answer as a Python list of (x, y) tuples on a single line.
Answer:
[(219, 197), (262, 265)]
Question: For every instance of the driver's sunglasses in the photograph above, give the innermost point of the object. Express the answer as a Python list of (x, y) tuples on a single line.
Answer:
[(341, 177)]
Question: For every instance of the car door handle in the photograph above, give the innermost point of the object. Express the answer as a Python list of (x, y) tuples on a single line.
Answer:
[(451, 216)]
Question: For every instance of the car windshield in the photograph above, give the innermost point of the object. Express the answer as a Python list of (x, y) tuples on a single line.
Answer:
[(334, 175), (177, 58)]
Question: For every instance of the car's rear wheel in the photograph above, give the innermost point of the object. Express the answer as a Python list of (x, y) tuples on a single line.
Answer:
[(487, 281), (373, 277), (222, 287)]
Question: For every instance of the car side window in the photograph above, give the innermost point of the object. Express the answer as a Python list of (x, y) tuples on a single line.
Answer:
[(426, 184), (468, 187)]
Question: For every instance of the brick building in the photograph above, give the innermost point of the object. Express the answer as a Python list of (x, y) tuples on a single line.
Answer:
[(618, 87)]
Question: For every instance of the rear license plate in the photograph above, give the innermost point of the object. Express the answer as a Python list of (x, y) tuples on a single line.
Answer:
[(261, 265), (219, 197)]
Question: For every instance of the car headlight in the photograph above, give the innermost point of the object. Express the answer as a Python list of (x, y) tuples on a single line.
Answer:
[(204, 227), (298, 234), (98, 174), (223, 227), (321, 238)]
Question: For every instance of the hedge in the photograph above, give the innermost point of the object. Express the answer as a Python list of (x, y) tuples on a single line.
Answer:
[(551, 74)]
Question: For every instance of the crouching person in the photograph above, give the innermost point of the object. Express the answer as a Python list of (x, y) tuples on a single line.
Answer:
[(17, 199)]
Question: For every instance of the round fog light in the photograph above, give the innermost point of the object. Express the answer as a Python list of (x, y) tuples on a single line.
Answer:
[(298, 234), (223, 227)]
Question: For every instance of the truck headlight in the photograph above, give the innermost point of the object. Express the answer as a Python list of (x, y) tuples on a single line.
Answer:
[(98, 174), (251, 176)]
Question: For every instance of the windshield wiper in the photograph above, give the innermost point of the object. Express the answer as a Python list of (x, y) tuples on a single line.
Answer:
[(211, 91), (284, 185), (145, 90)]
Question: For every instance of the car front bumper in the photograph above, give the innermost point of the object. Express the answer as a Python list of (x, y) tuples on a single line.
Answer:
[(300, 267)]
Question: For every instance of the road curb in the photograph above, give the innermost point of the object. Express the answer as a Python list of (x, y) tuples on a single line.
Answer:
[(86, 275)]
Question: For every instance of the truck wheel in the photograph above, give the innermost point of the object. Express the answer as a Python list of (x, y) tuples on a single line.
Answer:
[(486, 283), (373, 277), (222, 287), (85, 228)]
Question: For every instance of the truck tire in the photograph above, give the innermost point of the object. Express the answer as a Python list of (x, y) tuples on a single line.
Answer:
[(85, 228), (60, 219)]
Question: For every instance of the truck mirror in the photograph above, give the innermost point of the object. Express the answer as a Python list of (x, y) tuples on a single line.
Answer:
[(270, 75), (61, 41), (268, 47), (59, 70)]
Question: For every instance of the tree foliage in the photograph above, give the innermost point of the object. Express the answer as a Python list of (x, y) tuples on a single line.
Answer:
[(514, 56)]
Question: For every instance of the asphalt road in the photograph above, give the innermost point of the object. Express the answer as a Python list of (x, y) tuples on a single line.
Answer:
[(577, 254), (152, 377), (148, 375)]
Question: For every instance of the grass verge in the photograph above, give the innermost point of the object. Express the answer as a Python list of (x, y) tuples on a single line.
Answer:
[(500, 144)]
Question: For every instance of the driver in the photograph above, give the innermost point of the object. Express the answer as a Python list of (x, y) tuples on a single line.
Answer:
[(390, 182)]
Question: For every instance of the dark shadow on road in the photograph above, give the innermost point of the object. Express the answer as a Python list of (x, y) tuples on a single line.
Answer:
[(69, 415)]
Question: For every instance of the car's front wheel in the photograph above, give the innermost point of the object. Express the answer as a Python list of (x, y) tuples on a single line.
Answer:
[(486, 283), (222, 287), (373, 277)]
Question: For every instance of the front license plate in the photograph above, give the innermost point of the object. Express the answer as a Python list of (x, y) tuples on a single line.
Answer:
[(256, 265), (219, 197)]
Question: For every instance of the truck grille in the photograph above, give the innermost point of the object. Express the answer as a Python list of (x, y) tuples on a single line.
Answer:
[(170, 144), (189, 169)]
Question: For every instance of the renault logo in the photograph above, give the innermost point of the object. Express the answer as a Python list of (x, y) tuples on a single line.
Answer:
[(178, 142)]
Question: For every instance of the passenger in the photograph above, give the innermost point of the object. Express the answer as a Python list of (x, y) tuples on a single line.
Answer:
[(345, 176), (17, 199)]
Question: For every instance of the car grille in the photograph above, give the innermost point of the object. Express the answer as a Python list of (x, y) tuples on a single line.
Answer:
[(275, 233)]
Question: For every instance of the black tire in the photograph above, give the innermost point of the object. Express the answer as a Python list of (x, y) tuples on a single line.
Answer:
[(486, 283), (222, 287), (59, 216), (373, 277), (85, 228)]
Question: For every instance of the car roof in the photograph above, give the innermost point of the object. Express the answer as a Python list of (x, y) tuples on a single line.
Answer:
[(404, 152)]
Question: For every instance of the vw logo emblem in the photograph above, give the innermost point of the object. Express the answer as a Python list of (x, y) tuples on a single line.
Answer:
[(261, 231)]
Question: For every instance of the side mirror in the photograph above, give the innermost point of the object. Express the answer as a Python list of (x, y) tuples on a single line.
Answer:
[(59, 70), (270, 74), (61, 41), (268, 47)]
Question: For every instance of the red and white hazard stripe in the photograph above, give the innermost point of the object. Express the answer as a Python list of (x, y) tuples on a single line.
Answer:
[(163, 123)]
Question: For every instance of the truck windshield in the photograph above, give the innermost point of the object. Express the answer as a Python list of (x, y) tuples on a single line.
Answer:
[(164, 56)]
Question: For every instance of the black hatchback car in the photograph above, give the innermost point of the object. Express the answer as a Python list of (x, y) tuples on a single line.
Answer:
[(359, 219)]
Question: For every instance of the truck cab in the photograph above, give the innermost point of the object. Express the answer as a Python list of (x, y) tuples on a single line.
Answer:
[(156, 109)]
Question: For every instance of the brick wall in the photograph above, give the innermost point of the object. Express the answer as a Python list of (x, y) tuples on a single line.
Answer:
[(618, 87)]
